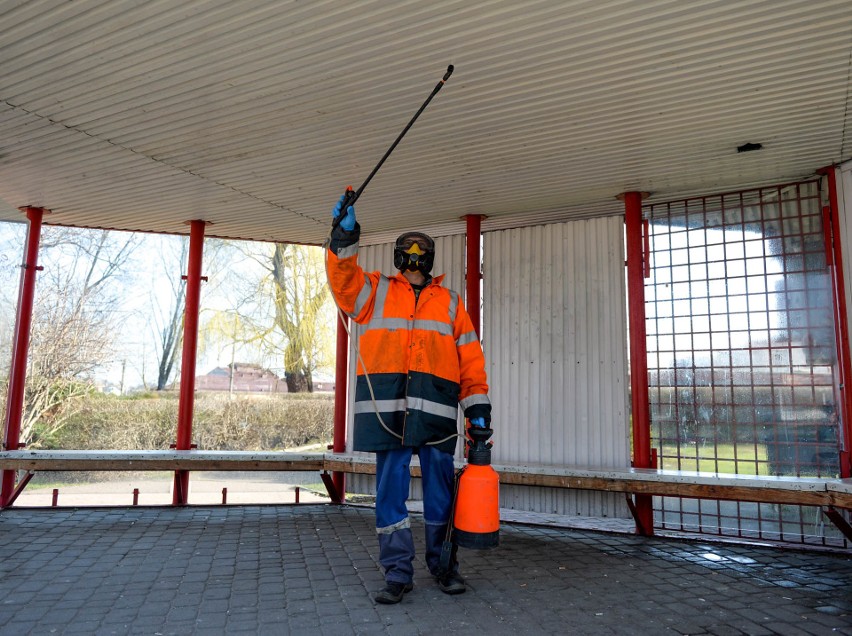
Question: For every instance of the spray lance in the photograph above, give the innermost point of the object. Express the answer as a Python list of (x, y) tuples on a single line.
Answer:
[(351, 196)]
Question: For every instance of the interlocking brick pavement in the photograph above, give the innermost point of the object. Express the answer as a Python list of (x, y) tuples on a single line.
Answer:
[(312, 569)]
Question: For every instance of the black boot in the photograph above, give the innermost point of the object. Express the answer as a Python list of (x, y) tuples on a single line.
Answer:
[(393, 592), (452, 583)]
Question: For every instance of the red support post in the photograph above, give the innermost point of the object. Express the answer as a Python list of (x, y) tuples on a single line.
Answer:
[(186, 399), (341, 373), (844, 354), (474, 271), (636, 258), (20, 348)]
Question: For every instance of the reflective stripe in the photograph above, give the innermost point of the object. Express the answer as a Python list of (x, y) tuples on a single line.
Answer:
[(384, 406), (347, 252), (413, 403), (436, 523), (443, 328), (391, 324), (454, 305), (381, 296), (399, 525), (467, 338), (433, 408), (363, 296), (476, 398)]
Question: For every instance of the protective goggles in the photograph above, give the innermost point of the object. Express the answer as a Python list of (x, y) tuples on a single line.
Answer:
[(407, 241)]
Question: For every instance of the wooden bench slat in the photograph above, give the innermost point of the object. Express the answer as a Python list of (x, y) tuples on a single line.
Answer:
[(629, 484), (667, 483), (160, 460), (756, 488)]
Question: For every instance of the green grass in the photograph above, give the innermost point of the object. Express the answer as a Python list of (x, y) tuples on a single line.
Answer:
[(744, 459)]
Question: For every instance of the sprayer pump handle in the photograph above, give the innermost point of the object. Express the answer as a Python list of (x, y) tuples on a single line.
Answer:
[(479, 433)]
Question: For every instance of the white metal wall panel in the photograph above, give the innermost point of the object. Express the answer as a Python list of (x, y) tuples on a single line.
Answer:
[(556, 347), (449, 260)]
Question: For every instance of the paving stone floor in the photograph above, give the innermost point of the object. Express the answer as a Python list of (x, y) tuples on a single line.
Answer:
[(311, 569)]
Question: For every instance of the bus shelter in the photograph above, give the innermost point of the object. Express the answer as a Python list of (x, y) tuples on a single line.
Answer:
[(649, 203)]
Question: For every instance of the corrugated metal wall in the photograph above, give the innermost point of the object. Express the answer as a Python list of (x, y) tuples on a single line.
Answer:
[(556, 345), (449, 260), (556, 350)]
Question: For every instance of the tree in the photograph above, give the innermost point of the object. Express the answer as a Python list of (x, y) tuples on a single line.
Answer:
[(12, 236), (230, 327), (287, 314), (74, 322), (169, 319), (170, 304), (301, 294)]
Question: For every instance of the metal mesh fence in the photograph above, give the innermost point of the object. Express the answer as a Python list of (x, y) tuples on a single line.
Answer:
[(742, 353)]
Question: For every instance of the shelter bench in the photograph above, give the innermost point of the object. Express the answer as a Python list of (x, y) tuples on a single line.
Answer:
[(828, 494), (154, 460)]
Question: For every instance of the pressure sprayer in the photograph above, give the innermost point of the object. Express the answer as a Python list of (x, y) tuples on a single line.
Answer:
[(475, 520)]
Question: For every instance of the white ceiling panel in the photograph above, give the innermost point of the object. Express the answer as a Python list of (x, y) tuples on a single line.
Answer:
[(254, 115)]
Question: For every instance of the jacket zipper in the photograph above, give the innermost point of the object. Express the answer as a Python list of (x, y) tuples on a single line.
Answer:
[(410, 347)]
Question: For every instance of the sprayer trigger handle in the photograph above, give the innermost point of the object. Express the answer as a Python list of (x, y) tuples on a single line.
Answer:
[(349, 198)]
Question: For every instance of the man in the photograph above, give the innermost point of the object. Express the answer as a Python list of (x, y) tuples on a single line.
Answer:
[(420, 360)]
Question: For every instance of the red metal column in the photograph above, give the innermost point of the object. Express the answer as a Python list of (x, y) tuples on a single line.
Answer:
[(474, 272), (843, 353), (20, 347), (638, 351), (341, 373), (190, 346)]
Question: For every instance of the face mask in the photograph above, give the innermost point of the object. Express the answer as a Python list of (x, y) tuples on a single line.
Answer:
[(414, 252)]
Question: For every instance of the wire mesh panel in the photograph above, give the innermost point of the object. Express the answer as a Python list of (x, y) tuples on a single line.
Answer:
[(742, 353)]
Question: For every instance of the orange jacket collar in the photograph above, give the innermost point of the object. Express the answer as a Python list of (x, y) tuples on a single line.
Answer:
[(436, 280)]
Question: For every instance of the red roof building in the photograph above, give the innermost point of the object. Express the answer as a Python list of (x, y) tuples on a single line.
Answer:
[(247, 378)]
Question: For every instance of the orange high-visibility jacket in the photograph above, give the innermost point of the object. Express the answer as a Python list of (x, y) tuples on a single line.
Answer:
[(424, 360)]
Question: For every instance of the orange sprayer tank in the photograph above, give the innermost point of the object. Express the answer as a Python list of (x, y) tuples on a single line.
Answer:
[(477, 514)]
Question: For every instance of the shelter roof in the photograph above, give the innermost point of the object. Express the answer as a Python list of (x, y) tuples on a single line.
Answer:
[(255, 115)]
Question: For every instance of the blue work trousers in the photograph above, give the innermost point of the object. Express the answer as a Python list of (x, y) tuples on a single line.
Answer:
[(396, 544)]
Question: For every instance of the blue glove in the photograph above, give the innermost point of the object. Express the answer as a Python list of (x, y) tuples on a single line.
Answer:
[(478, 421), (348, 222)]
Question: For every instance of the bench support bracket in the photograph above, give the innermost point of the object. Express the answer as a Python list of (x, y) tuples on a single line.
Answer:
[(838, 520), (331, 487), (19, 488), (637, 517)]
